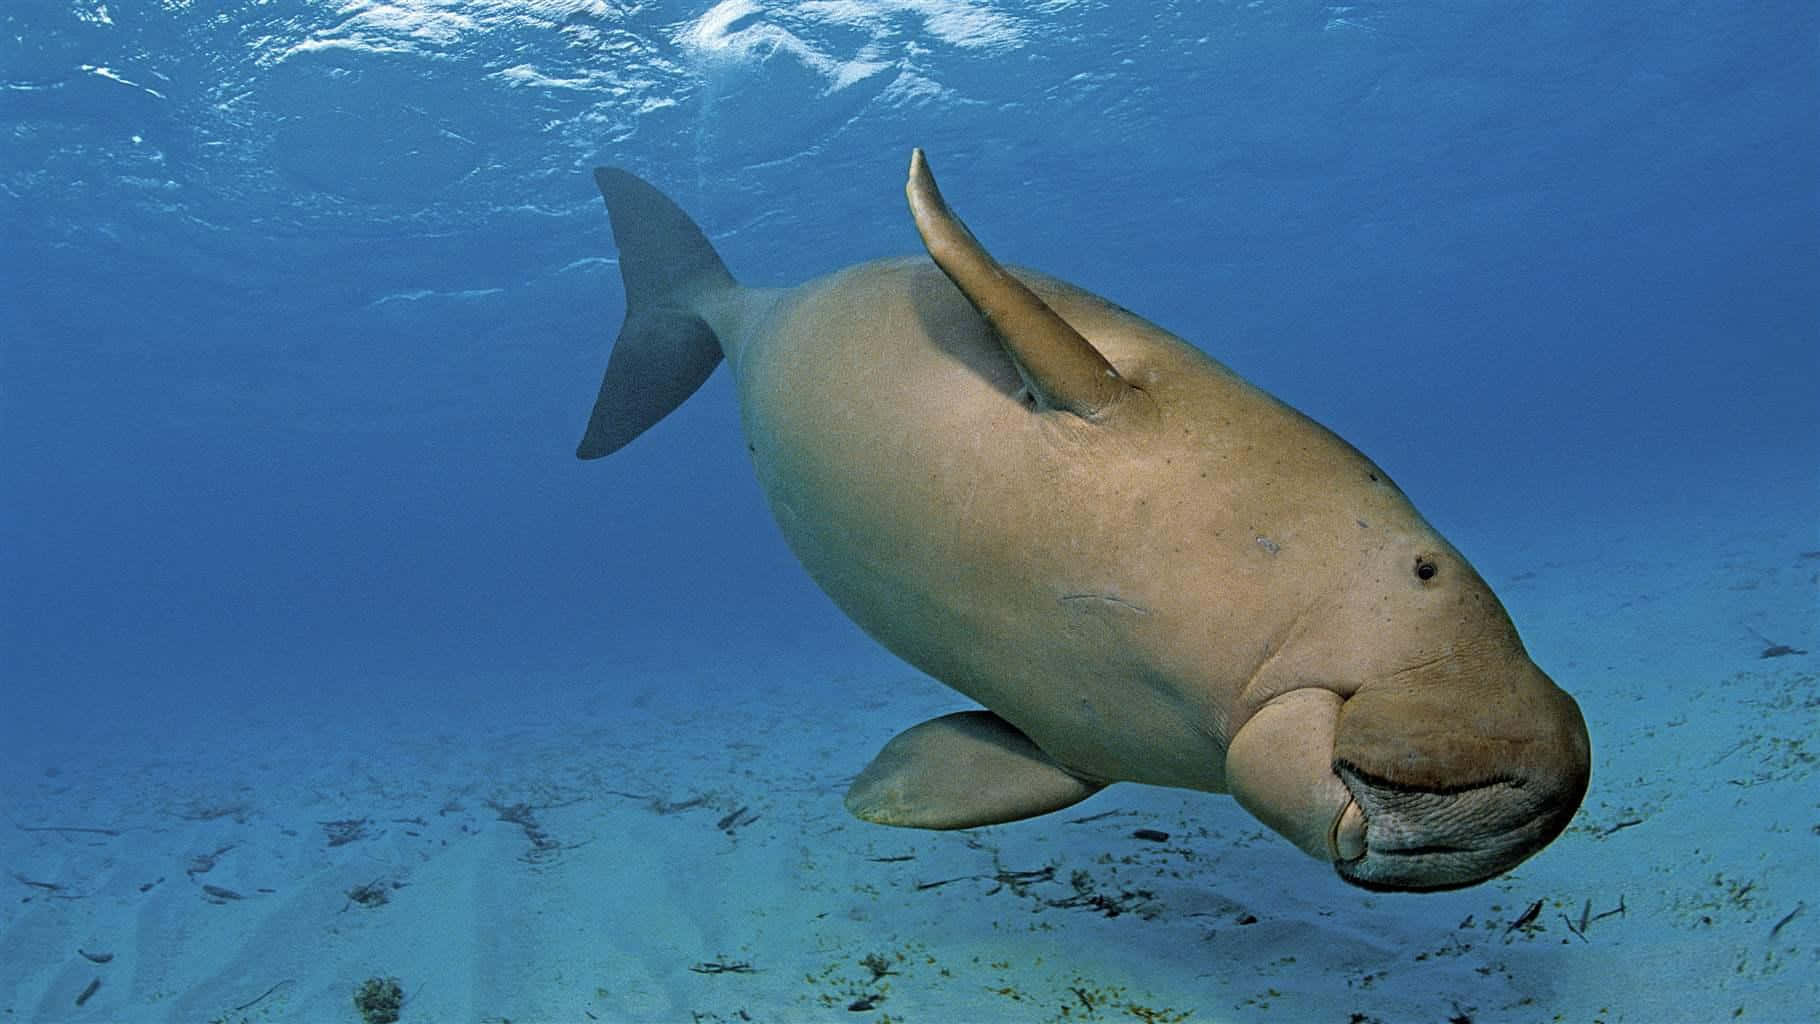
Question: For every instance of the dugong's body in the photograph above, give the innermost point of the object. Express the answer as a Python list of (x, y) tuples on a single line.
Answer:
[(1144, 568)]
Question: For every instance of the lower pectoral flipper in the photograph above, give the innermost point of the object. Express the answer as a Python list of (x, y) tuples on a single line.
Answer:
[(962, 770)]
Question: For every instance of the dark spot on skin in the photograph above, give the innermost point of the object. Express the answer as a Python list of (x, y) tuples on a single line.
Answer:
[(1426, 568)]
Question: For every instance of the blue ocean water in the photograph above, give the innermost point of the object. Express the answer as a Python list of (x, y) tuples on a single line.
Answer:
[(306, 302), (303, 304)]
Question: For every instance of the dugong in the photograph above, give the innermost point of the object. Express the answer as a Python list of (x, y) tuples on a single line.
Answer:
[(1144, 568)]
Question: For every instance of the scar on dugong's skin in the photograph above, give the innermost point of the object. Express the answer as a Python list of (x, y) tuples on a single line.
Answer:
[(1145, 568)]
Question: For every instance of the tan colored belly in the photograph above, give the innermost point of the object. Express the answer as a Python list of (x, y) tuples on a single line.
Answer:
[(945, 519)]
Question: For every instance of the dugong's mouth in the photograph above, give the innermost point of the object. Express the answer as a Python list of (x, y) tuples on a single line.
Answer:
[(1402, 838)]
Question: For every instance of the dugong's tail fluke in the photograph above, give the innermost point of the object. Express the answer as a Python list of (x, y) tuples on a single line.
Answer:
[(665, 350)]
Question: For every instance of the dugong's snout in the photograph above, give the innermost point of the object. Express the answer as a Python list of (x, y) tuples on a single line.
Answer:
[(1450, 790), (1423, 840)]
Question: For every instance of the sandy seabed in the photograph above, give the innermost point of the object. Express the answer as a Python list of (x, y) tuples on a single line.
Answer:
[(674, 849)]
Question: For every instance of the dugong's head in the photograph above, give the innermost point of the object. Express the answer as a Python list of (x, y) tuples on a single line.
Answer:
[(1402, 731), (1461, 757)]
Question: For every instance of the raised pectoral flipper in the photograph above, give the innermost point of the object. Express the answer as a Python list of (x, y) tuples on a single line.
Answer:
[(1060, 369), (962, 770)]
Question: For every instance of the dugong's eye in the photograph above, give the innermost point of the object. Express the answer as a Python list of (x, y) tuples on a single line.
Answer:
[(1425, 568)]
